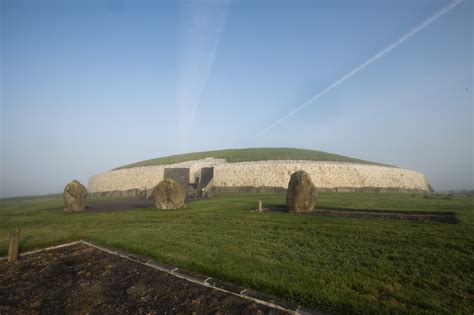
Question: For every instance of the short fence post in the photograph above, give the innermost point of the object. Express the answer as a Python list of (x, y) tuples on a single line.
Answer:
[(14, 245), (260, 209)]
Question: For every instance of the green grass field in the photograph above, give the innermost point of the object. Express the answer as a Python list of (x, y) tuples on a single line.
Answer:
[(341, 265), (252, 154)]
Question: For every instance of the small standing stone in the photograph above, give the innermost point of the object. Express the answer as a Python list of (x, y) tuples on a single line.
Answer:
[(75, 196), (301, 193), (260, 208), (14, 245)]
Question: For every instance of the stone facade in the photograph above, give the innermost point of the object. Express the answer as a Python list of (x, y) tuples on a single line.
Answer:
[(143, 178), (326, 176)]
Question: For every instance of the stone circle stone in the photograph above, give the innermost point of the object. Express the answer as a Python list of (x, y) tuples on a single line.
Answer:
[(75, 196), (169, 195), (301, 193)]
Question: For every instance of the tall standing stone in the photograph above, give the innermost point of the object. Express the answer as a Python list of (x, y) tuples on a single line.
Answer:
[(75, 196), (301, 193), (169, 195)]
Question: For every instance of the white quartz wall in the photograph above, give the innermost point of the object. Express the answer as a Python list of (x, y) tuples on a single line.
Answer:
[(143, 177), (128, 178), (266, 173), (323, 174)]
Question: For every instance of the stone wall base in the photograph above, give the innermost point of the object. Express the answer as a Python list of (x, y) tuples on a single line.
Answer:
[(270, 189), (255, 190), (119, 193)]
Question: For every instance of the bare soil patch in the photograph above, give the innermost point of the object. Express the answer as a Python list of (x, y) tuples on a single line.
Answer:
[(81, 279)]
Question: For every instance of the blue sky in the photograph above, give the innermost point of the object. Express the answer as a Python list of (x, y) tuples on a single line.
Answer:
[(87, 86)]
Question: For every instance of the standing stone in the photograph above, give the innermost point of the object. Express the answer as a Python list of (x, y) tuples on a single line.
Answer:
[(14, 245), (301, 193), (169, 195), (75, 196)]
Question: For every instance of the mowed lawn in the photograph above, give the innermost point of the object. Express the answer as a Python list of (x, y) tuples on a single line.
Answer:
[(341, 265)]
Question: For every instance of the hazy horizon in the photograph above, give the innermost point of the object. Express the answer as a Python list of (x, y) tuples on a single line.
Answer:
[(87, 86)]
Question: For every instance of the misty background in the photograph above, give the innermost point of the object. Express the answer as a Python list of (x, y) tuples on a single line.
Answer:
[(87, 86)]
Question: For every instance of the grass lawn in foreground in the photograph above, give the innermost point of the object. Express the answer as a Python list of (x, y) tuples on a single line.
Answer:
[(343, 265)]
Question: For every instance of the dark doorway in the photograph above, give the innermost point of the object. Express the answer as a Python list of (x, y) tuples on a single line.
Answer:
[(207, 173), (179, 175)]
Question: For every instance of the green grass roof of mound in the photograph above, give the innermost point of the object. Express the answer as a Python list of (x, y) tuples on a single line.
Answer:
[(251, 154)]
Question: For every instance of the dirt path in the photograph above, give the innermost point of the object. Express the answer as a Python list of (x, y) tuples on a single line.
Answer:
[(133, 203), (97, 205), (118, 205), (81, 279), (441, 217), (436, 217)]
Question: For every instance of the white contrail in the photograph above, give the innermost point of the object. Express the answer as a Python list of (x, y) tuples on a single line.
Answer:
[(393, 45)]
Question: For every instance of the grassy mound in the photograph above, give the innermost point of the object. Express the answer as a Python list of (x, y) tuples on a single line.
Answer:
[(251, 154)]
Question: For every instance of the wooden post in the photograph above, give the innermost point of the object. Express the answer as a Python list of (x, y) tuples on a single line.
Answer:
[(260, 209), (14, 245)]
